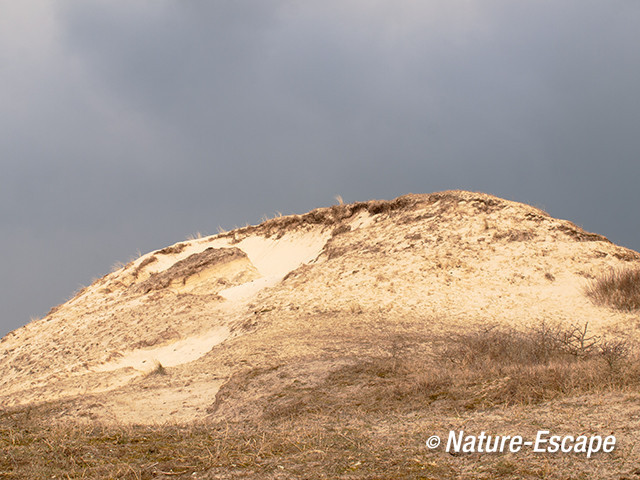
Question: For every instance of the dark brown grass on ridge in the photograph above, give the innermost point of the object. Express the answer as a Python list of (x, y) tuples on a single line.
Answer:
[(172, 250), (334, 215), (618, 288)]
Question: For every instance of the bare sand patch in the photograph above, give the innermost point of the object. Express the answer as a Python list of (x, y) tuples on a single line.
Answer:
[(176, 353)]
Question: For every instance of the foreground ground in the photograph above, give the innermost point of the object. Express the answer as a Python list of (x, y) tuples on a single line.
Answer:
[(353, 446), (369, 419)]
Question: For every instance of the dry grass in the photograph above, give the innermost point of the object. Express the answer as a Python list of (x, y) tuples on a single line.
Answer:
[(344, 446), (579, 235), (515, 236), (158, 370), (33, 447), (619, 289), (172, 250), (471, 371), (333, 216), (143, 264)]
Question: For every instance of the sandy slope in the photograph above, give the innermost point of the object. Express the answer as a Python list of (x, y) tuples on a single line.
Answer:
[(302, 290)]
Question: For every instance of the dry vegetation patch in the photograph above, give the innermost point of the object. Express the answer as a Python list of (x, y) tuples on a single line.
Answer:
[(172, 250), (619, 289), (470, 371)]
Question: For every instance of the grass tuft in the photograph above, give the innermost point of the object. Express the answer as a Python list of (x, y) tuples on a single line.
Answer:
[(158, 370)]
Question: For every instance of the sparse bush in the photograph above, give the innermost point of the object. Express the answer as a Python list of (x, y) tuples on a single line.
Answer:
[(619, 288)]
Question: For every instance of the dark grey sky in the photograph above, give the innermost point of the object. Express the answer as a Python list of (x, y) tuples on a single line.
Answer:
[(127, 126)]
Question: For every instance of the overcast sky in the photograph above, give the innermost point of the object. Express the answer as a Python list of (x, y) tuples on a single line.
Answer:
[(126, 126)]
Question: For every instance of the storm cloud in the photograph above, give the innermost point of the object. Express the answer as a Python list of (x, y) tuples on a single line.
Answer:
[(127, 126)]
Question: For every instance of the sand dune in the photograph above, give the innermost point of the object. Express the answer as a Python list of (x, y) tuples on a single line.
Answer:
[(312, 290)]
